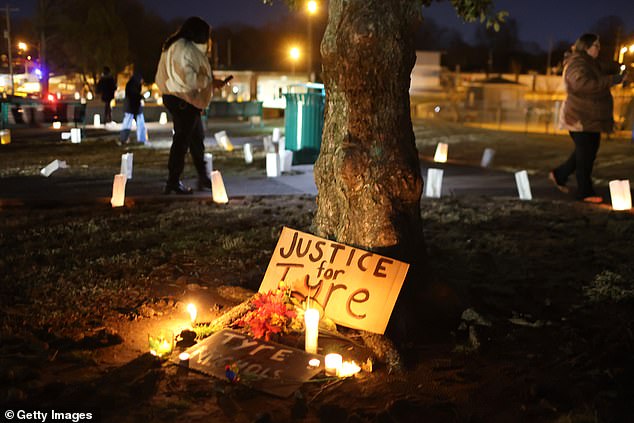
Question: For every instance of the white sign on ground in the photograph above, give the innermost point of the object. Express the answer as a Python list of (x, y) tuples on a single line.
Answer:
[(118, 190), (52, 167), (281, 144), (441, 153), (433, 184), (248, 153), (487, 157), (126, 164), (75, 135), (223, 140), (620, 194), (218, 191), (272, 165), (286, 160), (523, 186), (266, 366), (354, 287), (269, 147), (209, 163)]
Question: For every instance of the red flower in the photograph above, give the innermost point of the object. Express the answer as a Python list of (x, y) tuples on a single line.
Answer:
[(271, 313)]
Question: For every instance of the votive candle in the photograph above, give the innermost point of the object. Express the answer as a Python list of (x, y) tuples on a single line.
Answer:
[(333, 364)]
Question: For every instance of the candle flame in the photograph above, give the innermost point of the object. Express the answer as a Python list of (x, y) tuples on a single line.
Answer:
[(191, 309), (349, 368)]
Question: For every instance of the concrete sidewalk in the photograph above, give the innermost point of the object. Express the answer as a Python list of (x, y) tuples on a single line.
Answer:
[(458, 180), (61, 188)]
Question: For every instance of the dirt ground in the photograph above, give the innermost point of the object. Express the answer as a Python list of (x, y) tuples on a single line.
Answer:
[(527, 314)]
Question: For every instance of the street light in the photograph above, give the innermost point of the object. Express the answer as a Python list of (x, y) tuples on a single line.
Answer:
[(294, 54), (624, 50), (311, 8)]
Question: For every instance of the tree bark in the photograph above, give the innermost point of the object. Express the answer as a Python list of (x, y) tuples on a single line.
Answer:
[(368, 172)]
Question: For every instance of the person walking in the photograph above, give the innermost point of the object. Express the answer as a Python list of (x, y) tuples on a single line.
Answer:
[(186, 81), (586, 112), (107, 87), (133, 108)]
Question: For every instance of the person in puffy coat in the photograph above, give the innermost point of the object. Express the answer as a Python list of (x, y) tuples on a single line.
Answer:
[(186, 82), (586, 112)]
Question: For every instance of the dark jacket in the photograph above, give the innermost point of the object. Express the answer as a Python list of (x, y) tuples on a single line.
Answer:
[(133, 95), (106, 86), (589, 105)]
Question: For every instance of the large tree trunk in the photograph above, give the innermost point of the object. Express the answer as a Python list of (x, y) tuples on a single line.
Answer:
[(368, 171)]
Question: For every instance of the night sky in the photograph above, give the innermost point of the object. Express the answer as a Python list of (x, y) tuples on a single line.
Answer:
[(538, 20)]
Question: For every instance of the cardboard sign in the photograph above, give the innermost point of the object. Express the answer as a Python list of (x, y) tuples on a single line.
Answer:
[(266, 366), (356, 288)]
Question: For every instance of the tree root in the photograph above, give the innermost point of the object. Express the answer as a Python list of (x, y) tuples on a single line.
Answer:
[(225, 320)]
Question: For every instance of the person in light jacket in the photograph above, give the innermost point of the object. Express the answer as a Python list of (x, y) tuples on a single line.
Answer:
[(586, 112), (186, 82)]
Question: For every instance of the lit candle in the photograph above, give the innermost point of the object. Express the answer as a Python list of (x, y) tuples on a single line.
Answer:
[(314, 362), (311, 322), (191, 309), (118, 190), (441, 153), (333, 364), (161, 344), (349, 368), (620, 194), (183, 357)]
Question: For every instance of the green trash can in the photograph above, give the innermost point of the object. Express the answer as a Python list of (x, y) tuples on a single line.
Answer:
[(304, 122)]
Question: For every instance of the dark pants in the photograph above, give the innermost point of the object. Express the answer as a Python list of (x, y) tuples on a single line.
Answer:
[(188, 135), (107, 112), (580, 162)]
